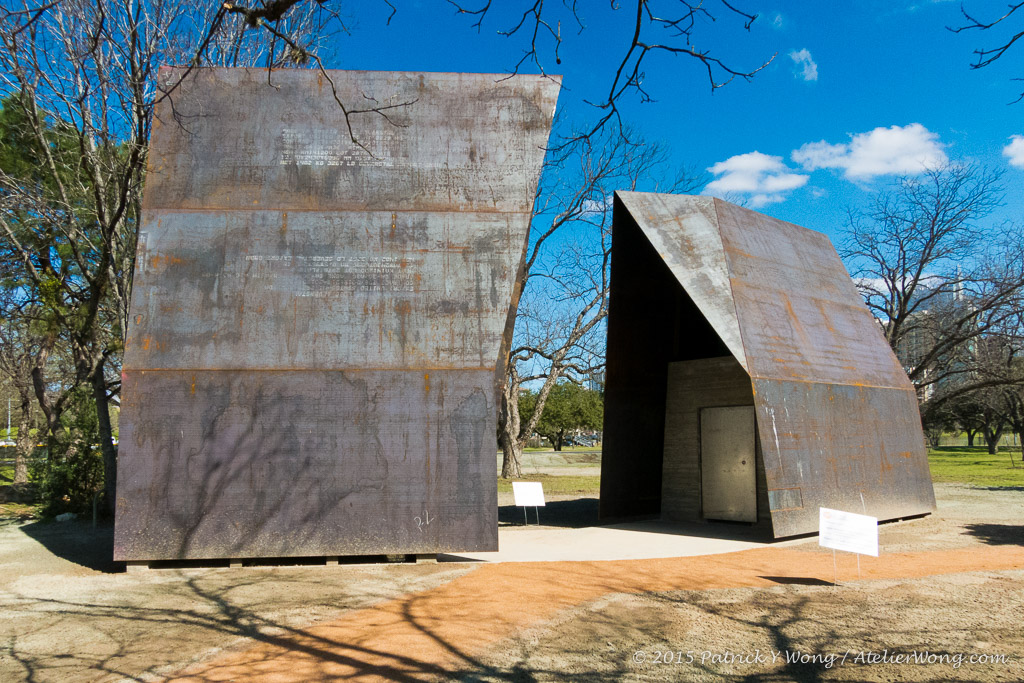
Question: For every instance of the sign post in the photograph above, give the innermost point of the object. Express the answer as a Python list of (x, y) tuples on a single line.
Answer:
[(847, 531), (529, 494)]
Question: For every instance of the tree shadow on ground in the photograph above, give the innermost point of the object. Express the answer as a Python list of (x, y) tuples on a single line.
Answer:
[(997, 534), (79, 542), (569, 514), (208, 605)]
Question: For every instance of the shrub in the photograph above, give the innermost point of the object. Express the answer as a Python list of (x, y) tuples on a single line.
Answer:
[(70, 472)]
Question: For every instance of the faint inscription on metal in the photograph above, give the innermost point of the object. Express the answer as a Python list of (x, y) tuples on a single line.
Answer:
[(330, 147), (324, 276)]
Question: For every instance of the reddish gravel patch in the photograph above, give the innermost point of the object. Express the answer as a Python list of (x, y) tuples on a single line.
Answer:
[(435, 632)]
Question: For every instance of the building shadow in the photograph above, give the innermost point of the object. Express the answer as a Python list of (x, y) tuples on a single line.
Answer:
[(79, 542), (568, 514), (997, 534)]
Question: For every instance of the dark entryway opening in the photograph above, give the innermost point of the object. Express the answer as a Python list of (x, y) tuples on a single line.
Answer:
[(652, 322)]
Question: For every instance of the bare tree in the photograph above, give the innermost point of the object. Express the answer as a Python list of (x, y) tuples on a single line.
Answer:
[(993, 358), (1000, 407), (935, 278), (985, 56), (17, 359), (562, 291), (81, 76), (965, 414), (1013, 401)]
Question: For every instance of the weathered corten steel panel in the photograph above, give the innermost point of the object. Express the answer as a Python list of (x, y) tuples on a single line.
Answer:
[(837, 417), (316, 329)]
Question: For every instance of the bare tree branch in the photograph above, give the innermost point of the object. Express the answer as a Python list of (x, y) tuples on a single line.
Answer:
[(938, 282), (563, 301), (652, 34), (985, 56)]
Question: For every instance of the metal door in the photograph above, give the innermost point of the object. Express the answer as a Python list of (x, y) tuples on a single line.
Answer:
[(728, 478)]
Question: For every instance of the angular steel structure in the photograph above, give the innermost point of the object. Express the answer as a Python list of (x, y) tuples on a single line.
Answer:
[(317, 324), (713, 305)]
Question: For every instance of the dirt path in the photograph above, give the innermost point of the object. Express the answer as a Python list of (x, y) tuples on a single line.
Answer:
[(70, 614), (437, 632)]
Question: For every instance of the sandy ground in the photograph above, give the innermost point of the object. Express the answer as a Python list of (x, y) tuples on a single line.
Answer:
[(946, 586), (787, 632), (70, 614)]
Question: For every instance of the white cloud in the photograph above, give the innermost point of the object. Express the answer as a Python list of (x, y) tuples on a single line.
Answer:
[(896, 150), (806, 67), (1015, 151), (597, 206), (777, 22), (759, 200), (764, 179)]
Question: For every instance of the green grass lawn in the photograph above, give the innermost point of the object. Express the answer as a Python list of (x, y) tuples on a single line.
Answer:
[(558, 484), (960, 464), (9, 509), (565, 449), (976, 467)]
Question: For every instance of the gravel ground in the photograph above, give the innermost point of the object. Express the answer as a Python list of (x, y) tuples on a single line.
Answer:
[(945, 619), (71, 614), (68, 615), (788, 633)]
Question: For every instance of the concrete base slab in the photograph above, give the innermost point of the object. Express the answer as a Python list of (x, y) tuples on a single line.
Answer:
[(628, 541)]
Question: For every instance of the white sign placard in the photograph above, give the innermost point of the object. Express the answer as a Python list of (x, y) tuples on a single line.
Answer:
[(848, 531), (528, 493)]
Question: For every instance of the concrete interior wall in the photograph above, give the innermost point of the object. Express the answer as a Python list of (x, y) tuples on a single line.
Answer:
[(692, 385)]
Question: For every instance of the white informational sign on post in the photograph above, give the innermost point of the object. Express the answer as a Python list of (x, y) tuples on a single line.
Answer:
[(528, 493), (848, 531)]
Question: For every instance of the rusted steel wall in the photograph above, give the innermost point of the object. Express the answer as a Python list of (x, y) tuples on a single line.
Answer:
[(837, 418), (316, 330)]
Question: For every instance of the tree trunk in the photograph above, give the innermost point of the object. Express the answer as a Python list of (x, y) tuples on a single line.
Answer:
[(23, 447), (557, 442), (508, 432), (970, 436), (511, 459), (99, 390), (992, 437), (53, 429)]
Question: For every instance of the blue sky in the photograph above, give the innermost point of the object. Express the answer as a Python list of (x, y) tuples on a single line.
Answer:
[(853, 97)]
